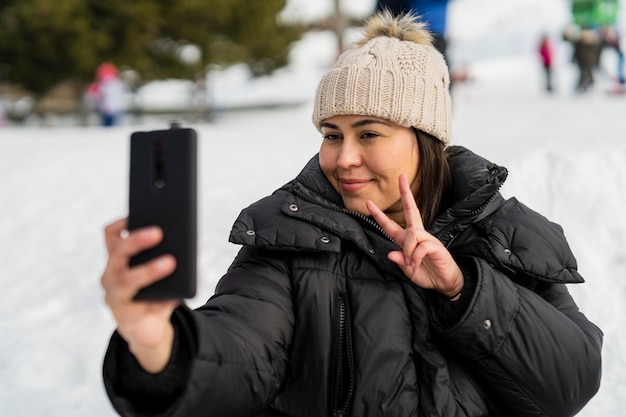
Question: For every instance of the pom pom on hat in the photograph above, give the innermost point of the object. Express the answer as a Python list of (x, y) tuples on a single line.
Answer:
[(393, 73)]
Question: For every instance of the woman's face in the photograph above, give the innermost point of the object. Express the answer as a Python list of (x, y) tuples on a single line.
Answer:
[(363, 156)]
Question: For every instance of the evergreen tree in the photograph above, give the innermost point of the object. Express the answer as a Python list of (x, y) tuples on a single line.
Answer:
[(44, 42)]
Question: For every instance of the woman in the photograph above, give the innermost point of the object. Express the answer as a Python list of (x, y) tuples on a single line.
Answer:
[(388, 278), (546, 53)]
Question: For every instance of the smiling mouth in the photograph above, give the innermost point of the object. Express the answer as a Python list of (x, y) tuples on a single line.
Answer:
[(353, 185)]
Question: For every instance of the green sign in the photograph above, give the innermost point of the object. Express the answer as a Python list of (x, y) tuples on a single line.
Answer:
[(594, 12)]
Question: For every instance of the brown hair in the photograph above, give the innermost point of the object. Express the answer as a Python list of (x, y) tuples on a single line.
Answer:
[(433, 175)]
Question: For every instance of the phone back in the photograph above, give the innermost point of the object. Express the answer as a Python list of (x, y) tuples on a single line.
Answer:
[(163, 192)]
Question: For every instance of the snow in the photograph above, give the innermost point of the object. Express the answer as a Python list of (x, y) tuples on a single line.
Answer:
[(60, 185)]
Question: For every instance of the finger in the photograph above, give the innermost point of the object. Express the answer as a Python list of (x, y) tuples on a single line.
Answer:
[(123, 287), (422, 251), (411, 212), (389, 226), (399, 259), (416, 238), (136, 242), (150, 271), (113, 233)]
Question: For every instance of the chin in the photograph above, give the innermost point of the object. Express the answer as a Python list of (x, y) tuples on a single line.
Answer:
[(360, 208)]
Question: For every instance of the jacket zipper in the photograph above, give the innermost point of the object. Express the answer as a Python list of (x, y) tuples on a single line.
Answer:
[(359, 216), (477, 210), (343, 383), (377, 227)]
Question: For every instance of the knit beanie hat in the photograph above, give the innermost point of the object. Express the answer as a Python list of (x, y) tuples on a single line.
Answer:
[(393, 73)]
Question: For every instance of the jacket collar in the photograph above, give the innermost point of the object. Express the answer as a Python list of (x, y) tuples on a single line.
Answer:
[(473, 192), (315, 204)]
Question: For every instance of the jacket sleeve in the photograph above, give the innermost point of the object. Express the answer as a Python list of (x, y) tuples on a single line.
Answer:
[(534, 351), (241, 336)]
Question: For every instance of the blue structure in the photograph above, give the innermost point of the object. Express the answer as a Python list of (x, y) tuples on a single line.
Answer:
[(434, 12)]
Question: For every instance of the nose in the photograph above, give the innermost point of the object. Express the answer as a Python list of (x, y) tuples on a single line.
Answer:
[(349, 153)]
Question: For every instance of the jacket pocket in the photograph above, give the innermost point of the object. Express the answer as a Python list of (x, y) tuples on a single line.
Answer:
[(342, 365)]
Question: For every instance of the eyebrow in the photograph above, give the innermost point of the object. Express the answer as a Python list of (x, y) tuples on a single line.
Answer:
[(358, 123)]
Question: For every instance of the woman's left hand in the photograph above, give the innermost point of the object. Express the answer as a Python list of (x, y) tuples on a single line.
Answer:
[(424, 259)]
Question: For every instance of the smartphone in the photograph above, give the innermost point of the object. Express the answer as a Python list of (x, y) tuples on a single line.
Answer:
[(163, 192)]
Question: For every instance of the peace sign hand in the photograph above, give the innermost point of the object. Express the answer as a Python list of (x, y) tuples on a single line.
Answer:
[(423, 259)]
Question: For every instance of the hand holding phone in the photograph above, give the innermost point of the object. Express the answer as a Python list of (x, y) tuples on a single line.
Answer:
[(163, 192)]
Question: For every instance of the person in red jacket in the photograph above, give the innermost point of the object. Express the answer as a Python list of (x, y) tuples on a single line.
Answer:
[(107, 95), (546, 53)]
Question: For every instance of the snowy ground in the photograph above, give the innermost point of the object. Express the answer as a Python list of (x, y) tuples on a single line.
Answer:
[(61, 185)]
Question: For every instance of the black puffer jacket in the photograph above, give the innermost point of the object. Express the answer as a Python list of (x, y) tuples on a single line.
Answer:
[(312, 319)]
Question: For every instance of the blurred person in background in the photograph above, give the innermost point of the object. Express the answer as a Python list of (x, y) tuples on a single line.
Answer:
[(389, 278), (587, 46), (107, 95), (3, 112), (546, 53), (611, 40)]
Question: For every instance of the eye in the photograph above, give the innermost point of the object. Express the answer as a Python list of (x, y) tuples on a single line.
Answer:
[(369, 135), (331, 136)]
